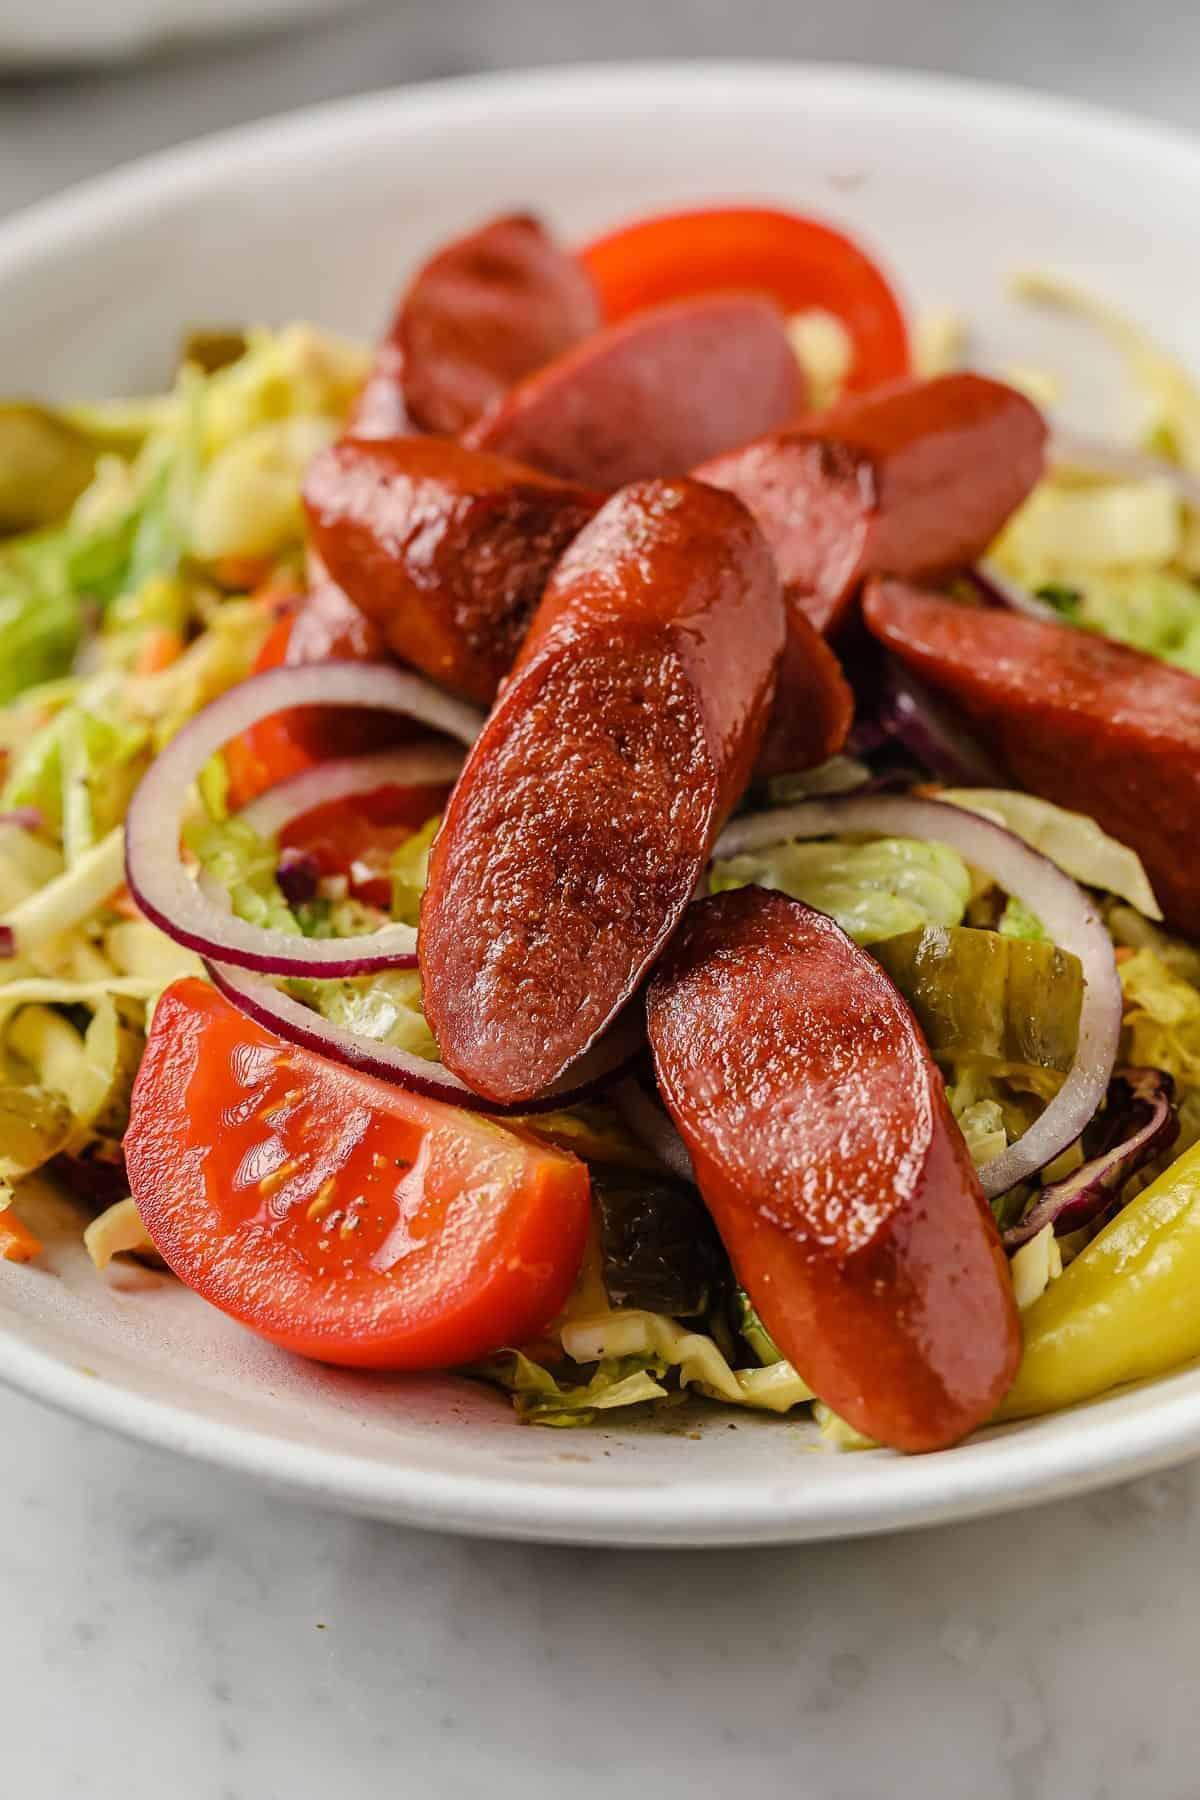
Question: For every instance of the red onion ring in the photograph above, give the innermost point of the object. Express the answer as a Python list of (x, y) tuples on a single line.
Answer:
[(652, 1126), (1064, 909), (1140, 1122), (179, 906), (279, 1013), (1069, 450), (930, 731), (413, 765)]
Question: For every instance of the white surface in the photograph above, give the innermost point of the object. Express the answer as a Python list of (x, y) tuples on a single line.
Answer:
[(94, 289), (175, 1635), (159, 1620)]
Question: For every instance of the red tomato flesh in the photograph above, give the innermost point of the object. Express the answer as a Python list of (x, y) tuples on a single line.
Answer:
[(798, 262), (356, 837), (340, 1217)]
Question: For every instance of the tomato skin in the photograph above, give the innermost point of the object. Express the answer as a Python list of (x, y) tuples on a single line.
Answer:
[(342, 1218), (356, 837), (324, 626), (798, 262)]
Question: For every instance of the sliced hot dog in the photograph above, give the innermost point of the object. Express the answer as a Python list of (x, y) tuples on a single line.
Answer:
[(823, 1145), (486, 310), (1088, 723), (585, 812), (653, 395), (913, 480), (813, 708), (446, 550)]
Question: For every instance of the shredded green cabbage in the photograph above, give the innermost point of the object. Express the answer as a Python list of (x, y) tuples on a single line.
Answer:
[(244, 865), (386, 1007), (541, 1399), (118, 622), (874, 890), (1171, 393), (1070, 839), (410, 871), (1162, 1018), (1118, 555)]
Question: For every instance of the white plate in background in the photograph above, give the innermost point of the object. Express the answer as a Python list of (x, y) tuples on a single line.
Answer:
[(320, 215)]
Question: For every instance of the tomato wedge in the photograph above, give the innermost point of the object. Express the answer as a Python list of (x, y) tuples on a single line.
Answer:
[(356, 837), (799, 262), (324, 626), (340, 1217)]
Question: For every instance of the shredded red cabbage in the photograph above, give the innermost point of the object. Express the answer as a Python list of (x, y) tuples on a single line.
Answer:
[(1139, 1121), (298, 874), (28, 818), (931, 732)]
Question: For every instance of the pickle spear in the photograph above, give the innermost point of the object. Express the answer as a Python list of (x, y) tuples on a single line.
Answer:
[(982, 997), (45, 464)]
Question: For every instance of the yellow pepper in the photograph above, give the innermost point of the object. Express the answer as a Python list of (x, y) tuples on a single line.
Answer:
[(1127, 1307)]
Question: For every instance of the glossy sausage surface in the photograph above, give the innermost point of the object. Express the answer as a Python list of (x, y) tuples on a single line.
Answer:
[(823, 1145), (584, 814), (482, 314), (445, 550), (813, 708), (1085, 722), (652, 396), (912, 480)]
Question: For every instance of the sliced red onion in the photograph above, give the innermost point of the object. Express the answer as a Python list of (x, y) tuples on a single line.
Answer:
[(997, 590), (651, 1125), (866, 736), (26, 818), (155, 872), (1070, 450), (278, 1012), (1070, 919), (8, 942), (413, 765), (1139, 1122), (932, 733)]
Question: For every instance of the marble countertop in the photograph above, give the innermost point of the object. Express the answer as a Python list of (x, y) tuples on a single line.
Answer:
[(165, 1629)]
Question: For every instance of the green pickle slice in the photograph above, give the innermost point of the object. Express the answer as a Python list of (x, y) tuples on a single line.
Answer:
[(982, 997), (45, 464)]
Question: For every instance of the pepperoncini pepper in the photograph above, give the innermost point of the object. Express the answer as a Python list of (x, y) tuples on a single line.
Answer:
[(1128, 1307)]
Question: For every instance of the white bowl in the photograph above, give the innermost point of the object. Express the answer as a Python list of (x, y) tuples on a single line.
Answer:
[(320, 215)]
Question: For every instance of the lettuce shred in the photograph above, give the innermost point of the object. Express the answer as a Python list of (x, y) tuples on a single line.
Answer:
[(1071, 840), (874, 890), (1119, 554), (119, 620)]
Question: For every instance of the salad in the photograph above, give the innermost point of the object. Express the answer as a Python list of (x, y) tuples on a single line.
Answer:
[(634, 840)]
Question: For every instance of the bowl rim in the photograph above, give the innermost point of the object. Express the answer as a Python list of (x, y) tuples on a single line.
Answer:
[(985, 1476), (103, 199)]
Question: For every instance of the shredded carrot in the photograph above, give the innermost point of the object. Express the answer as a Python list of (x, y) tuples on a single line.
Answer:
[(243, 574), (277, 595), (17, 1242), (1123, 952), (158, 652), (123, 902)]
